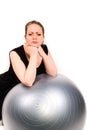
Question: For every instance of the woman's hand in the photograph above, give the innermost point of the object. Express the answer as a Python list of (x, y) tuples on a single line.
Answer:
[(49, 63), (41, 51), (31, 50)]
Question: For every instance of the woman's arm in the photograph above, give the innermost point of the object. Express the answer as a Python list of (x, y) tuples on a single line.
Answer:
[(50, 66), (25, 75)]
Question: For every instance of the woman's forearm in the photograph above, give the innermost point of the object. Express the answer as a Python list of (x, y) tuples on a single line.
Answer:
[(30, 73), (50, 66)]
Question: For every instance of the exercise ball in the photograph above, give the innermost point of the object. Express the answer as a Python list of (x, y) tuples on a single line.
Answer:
[(52, 103)]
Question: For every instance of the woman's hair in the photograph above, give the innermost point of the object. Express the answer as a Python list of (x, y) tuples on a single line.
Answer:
[(34, 22)]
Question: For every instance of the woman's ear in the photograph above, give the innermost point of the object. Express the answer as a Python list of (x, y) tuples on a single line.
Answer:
[(25, 37), (42, 43)]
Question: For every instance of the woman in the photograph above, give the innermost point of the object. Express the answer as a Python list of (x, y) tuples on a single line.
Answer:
[(27, 61)]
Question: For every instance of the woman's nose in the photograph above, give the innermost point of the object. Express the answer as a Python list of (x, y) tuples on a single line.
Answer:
[(34, 36)]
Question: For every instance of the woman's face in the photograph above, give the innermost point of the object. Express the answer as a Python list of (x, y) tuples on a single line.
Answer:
[(34, 36)]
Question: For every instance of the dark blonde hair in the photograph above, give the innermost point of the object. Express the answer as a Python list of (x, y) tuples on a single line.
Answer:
[(34, 22)]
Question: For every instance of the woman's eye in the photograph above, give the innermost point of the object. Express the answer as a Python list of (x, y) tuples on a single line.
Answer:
[(30, 34), (39, 34)]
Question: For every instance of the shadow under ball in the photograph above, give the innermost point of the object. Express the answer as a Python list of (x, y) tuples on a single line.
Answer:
[(52, 103)]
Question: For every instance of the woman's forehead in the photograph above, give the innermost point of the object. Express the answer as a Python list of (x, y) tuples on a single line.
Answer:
[(34, 27)]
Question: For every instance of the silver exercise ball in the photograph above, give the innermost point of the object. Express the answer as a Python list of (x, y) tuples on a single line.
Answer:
[(53, 103)]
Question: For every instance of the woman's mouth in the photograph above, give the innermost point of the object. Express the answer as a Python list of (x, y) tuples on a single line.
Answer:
[(34, 42)]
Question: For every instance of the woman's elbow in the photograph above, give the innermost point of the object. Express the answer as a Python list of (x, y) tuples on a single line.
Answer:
[(28, 83), (53, 73)]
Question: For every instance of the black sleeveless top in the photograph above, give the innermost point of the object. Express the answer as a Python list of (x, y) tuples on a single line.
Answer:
[(9, 78)]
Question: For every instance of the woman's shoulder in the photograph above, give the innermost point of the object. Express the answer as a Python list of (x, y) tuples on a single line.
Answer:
[(18, 48), (45, 48)]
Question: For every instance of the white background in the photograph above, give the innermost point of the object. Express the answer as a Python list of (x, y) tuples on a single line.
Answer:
[(65, 23)]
